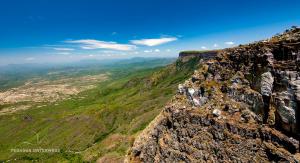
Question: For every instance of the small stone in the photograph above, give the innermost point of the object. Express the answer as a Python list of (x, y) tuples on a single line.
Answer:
[(180, 89), (216, 112), (242, 119), (191, 91), (196, 102)]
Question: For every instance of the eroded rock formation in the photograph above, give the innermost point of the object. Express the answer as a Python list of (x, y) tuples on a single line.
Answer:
[(241, 105)]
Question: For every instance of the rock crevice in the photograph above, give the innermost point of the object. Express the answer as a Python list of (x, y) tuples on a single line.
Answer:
[(241, 105)]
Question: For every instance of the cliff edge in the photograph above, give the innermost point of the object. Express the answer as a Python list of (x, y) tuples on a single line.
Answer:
[(241, 105)]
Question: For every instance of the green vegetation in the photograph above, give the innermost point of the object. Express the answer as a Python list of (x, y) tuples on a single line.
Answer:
[(100, 122), (16, 75)]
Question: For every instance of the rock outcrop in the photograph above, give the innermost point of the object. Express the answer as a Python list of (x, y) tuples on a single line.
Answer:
[(185, 55), (241, 105), (267, 84)]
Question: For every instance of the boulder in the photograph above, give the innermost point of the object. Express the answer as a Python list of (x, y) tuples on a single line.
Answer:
[(287, 114), (181, 89), (217, 112), (295, 87), (284, 107), (191, 91)]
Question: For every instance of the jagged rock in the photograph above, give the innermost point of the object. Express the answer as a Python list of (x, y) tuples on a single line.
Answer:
[(287, 114), (270, 58), (295, 87), (232, 90), (248, 96), (286, 104), (284, 109), (184, 135), (267, 84)]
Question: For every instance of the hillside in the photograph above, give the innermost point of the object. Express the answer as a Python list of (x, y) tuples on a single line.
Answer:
[(99, 123), (240, 106)]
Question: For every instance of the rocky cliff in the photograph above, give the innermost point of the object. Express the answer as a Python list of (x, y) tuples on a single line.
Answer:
[(186, 55), (241, 105)]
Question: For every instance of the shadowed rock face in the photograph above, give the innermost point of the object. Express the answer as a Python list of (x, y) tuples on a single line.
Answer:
[(203, 54), (237, 106), (185, 134), (187, 55)]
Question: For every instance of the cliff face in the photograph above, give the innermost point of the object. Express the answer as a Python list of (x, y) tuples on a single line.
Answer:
[(241, 105), (186, 55)]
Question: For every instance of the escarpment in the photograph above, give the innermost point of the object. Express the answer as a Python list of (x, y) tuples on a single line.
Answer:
[(241, 105), (185, 55)]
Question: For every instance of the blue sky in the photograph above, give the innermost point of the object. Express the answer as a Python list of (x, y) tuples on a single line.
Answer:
[(65, 30)]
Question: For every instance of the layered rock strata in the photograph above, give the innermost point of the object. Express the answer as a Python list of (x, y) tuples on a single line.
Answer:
[(241, 105)]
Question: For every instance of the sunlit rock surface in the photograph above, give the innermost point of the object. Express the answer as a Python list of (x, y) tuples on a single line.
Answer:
[(241, 105)]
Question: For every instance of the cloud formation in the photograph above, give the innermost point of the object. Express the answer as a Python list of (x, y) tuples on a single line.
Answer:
[(90, 44), (229, 43), (153, 42)]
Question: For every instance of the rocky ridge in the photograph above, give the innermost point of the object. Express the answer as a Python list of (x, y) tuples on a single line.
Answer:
[(241, 105)]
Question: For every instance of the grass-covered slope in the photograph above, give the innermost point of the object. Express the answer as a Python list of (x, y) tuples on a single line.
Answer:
[(98, 123)]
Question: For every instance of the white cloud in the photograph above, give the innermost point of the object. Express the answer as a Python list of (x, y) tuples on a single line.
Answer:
[(63, 49), (203, 47), (153, 42), (229, 43), (90, 44), (157, 50), (216, 45), (168, 50)]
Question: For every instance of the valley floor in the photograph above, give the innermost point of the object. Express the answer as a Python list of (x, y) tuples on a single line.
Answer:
[(85, 118)]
